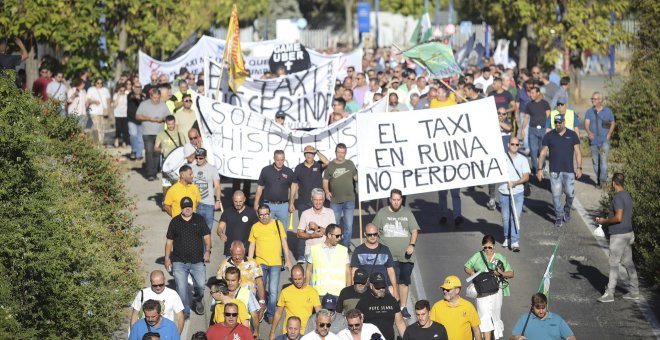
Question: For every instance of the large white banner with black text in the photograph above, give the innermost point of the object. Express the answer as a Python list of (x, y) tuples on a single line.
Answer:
[(429, 150)]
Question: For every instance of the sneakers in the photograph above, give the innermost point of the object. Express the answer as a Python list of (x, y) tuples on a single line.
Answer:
[(199, 308), (491, 204), (458, 221), (505, 243), (607, 297), (404, 312), (515, 247), (631, 296), (301, 260), (567, 217), (558, 223)]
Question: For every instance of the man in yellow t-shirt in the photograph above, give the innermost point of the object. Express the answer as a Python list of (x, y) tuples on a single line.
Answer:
[(458, 315), (183, 188), (267, 246), (298, 299), (443, 99), (220, 293)]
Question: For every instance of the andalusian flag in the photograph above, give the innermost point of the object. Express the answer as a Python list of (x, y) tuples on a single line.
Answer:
[(436, 57), (233, 54), (544, 286), (423, 30)]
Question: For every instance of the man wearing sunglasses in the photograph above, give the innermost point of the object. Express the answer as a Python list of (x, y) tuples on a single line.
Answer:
[(372, 256), (207, 180), (380, 308), (322, 331), (229, 328), (328, 302), (328, 265), (172, 307), (186, 117), (458, 315), (357, 328)]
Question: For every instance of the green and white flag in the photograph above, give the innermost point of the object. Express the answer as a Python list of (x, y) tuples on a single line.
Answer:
[(423, 30), (436, 57), (544, 286)]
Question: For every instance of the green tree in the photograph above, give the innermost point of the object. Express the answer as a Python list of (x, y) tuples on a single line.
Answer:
[(636, 105), (66, 227)]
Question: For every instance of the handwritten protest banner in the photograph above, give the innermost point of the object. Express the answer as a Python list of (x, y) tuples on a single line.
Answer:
[(429, 150), (304, 97), (242, 142)]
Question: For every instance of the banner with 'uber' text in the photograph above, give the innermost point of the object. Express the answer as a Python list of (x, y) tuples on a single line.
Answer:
[(242, 142), (430, 150)]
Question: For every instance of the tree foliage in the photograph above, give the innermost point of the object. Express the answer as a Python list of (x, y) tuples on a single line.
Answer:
[(66, 227), (636, 105)]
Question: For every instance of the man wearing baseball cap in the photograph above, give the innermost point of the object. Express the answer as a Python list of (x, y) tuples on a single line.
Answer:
[(328, 302), (381, 308), (349, 296), (458, 315)]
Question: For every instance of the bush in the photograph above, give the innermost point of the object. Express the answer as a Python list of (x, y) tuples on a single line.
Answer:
[(66, 227), (637, 154)]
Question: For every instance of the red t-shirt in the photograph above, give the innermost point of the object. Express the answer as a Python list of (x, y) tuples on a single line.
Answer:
[(220, 332)]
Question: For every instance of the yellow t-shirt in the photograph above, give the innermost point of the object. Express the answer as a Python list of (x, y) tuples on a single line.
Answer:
[(451, 100), (458, 321), (219, 314), (267, 243), (177, 192), (298, 302)]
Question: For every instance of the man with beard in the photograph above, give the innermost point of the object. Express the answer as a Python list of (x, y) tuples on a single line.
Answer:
[(230, 328), (458, 315), (328, 269), (322, 331), (153, 322), (298, 299), (398, 228), (380, 308), (357, 328), (349, 296), (425, 328)]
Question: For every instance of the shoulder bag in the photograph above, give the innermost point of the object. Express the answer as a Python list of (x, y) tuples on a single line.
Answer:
[(527, 190), (486, 283), (277, 226)]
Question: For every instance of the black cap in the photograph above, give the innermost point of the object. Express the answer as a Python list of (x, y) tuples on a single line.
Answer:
[(186, 202), (200, 152), (280, 115), (559, 118), (360, 276), (378, 280)]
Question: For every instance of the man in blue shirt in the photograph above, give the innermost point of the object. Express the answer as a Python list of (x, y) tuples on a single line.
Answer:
[(599, 123), (154, 322), (539, 324)]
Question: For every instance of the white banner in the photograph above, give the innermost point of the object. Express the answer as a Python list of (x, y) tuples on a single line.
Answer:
[(242, 142), (305, 97), (430, 150), (256, 55)]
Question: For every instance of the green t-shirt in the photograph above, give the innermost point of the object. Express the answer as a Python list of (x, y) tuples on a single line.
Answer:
[(477, 264), (395, 229), (340, 177)]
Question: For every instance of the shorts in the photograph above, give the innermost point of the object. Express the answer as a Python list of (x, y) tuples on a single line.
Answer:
[(403, 272)]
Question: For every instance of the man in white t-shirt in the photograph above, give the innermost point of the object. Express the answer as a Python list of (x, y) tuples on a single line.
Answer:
[(170, 302), (358, 328), (99, 99)]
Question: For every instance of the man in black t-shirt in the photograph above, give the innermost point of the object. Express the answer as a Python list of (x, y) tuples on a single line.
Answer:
[(373, 257), (536, 114), (187, 248), (349, 296), (425, 328), (380, 308), (236, 223)]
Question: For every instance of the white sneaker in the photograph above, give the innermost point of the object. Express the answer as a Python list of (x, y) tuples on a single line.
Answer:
[(505, 243), (607, 297), (515, 247)]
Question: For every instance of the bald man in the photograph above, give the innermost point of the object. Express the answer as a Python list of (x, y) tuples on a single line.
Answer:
[(236, 223), (171, 302)]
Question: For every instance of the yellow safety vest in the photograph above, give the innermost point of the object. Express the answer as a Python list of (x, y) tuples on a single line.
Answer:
[(329, 273), (569, 119)]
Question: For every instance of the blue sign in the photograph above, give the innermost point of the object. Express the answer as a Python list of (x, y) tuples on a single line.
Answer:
[(363, 15)]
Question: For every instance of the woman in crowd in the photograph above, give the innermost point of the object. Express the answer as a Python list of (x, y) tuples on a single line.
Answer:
[(120, 107)]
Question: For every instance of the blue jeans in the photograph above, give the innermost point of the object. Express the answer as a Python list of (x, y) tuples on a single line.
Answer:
[(198, 272), (562, 182), (455, 202), (508, 222), (272, 284), (348, 208), (135, 135), (206, 211), (535, 140), (281, 212), (599, 155)]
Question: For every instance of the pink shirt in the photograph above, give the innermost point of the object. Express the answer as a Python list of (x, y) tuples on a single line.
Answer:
[(327, 216)]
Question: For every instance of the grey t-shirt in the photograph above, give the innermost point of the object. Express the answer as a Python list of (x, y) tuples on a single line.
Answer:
[(622, 200), (395, 229), (203, 177), (148, 109)]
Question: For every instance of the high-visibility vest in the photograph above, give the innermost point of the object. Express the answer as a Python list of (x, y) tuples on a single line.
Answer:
[(329, 273), (569, 119)]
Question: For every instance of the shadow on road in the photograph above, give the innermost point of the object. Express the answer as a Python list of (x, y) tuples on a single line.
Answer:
[(597, 279)]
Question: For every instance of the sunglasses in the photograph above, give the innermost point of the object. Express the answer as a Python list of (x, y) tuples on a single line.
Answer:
[(187, 101), (446, 290), (233, 315), (514, 144), (372, 235), (193, 137), (325, 325), (488, 247), (200, 157), (158, 286), (558, 122), (354, 325), (337, 236)]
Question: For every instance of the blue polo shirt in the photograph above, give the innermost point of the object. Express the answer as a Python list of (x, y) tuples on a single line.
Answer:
[(561, 149), (553, 327), (599, 123), (167, 330)]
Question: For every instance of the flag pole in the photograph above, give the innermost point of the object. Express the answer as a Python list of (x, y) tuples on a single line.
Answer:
[(360, 218), (450, 88), (222, 69)]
